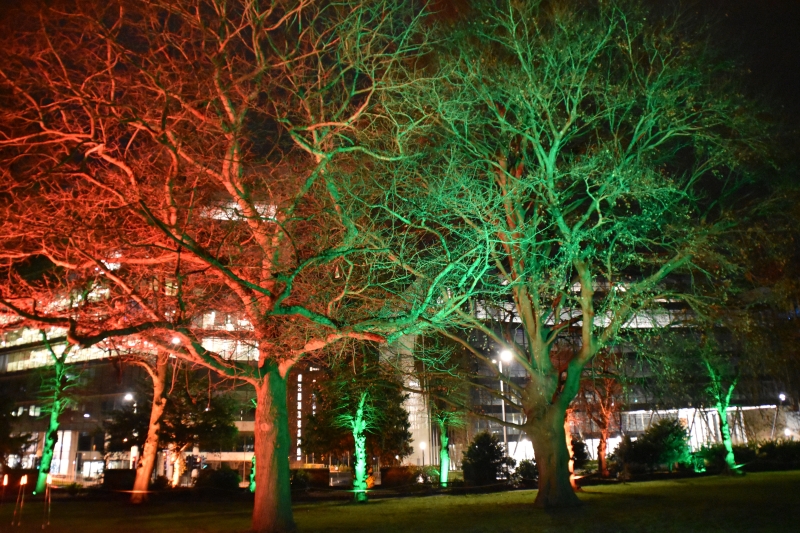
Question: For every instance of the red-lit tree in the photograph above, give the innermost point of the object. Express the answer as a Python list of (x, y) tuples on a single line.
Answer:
[(601, 398), (178, 163)]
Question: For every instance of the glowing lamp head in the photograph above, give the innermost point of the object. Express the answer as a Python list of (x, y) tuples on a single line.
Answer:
[(23, 480), (506, 356), (176, 340), (86, 415), (49, 479), (128, 397), (422, 446), (5, 480), (787, 432), (782, 396)]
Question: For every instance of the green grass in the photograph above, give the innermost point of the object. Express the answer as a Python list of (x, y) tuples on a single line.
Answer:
[(757, 502)]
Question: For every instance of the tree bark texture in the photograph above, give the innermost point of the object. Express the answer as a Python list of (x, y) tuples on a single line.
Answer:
[(144, 470), (444, 455), (552, 458), (272, 511), (360, 439), (724, 427), (602, 448), (50, 439)]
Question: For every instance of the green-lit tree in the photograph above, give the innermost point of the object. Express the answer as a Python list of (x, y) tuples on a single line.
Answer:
[(574, 149), (360, 408)]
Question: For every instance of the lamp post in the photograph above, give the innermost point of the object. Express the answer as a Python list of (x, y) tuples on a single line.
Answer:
[(422, 449), (506, 356), (782, 398)]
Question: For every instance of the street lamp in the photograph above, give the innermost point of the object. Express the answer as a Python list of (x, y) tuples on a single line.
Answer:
[(506, 356), (128, 397), (782, 398), (422, 448)]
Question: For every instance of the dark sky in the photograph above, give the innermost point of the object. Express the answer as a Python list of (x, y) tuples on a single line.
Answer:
[(766, 35)]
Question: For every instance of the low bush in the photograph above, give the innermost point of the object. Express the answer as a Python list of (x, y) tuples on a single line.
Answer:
[(780, 454), (299, 480), (664, 443), (527, 474), (223, 479)]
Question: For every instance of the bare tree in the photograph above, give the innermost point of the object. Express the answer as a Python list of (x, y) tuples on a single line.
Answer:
[(177, 163), (575, 147)]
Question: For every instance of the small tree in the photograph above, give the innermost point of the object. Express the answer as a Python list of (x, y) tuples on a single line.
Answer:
[(485, 460), (601, 398), (359, 407)]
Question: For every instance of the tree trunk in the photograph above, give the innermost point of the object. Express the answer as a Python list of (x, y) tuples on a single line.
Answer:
[(50, 439), (552, 458), (601, 452), (444, 456), (360, 439), (272, 511), (730, 461), (145, 469)]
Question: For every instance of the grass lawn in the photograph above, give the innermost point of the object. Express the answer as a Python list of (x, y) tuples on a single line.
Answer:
[(757, 502)]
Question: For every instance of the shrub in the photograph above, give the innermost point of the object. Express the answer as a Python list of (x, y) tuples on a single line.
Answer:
[(664, 443), (580, 453), (160, 483), (222, 479), (780, 454), (528, 473), (485, 460), (300, 480)]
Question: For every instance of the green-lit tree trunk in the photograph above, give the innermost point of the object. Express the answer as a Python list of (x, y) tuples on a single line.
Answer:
[(50, 439), (444, 454), (57, 403), (144, 470), (252, 486), (730, 461), (359, 427), (552, 458), (272, 511), (722, 400)]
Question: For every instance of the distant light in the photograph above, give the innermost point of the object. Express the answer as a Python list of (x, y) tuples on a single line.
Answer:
[(494, 361), (128, 397), (782, 396), (86, 415), (23, 480), (176, 340), (506, 356), (422, 446), (787, 432)]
